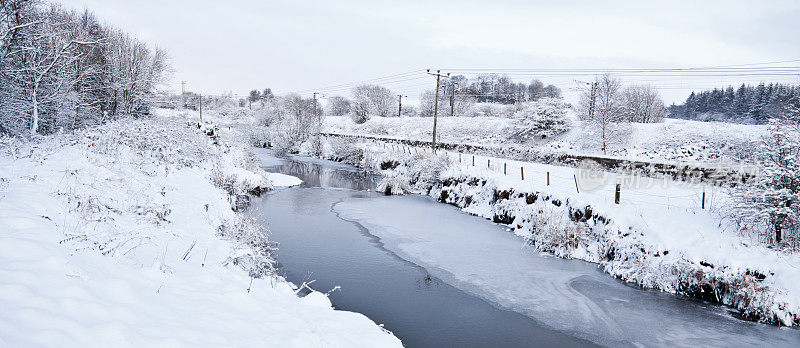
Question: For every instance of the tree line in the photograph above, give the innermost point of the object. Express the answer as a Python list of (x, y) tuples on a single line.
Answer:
[(64, 69), (746, 104), (500, 89)]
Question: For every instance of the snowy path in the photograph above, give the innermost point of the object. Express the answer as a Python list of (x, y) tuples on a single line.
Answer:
[(480, 257)]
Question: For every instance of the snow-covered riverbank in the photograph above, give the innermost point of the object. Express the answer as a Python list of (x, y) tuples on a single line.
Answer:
[(683, 250), (126, 235), (568, 295)]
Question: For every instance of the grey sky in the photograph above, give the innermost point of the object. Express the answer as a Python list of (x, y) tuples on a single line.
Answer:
[(220, 46)]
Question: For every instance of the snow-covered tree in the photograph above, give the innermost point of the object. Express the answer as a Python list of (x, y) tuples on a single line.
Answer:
[(643, 104), (605, 122), (544, 118), (769, 205), (374, 99), (63, 69), (427, 102), (338, 106)]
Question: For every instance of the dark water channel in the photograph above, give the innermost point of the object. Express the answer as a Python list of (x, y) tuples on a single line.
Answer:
[(419, 308)]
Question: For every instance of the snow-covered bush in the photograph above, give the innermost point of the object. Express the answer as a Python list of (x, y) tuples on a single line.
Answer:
[(768, 205), (152, 140), (544, 118), (252, 249), (486, 110), (393, 183), (290, 121), (360, 111), (342, 150)]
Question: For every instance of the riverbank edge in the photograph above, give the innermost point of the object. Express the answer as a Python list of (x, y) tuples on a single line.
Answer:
[(584, 234)]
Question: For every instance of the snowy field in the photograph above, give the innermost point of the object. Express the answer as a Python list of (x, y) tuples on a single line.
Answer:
[(126, 235), (670, 141)]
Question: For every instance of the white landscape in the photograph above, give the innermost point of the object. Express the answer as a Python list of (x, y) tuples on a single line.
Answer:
[(312, 175)]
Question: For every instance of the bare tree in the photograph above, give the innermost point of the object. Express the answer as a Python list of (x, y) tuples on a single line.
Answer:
[(552, 91), (605, 117), (427, 102), (338, 106), (643, 104), (536, 90), (463, 103), (374, 100), (63, 69)]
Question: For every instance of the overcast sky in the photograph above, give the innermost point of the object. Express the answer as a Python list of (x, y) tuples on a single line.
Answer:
[(238, 45)]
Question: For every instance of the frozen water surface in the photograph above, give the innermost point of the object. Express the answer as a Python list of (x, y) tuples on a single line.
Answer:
[(573, 296), (436, 276)]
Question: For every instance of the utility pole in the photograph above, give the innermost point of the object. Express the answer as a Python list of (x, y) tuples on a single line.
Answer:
[(438, 75), (183, 94), (592, 96), (316, 113), (592, 100), (453, 99), (400, 104)]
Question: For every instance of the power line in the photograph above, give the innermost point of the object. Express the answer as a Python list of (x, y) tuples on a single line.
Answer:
[(373, 80)]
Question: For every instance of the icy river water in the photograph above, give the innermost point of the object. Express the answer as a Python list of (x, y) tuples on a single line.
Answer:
[(436, 276)]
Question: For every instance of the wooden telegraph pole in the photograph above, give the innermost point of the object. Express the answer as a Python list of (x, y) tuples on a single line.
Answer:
[(183, 94), (593, 99), (315, 104), (438, 75), (592, 96), (400, 104), (453, 99)]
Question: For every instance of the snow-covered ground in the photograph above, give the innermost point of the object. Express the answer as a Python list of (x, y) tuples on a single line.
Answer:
[(671, 140), (126, 235)]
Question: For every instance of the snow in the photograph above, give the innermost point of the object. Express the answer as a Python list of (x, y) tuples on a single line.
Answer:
[(283, 180), (113, 240), (659, 236), (480, 257), (671, 140)]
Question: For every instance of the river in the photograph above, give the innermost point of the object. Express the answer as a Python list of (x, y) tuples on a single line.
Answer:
[(471, 283)]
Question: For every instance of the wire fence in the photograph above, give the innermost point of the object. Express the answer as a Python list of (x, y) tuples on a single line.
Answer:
[(617, 188)]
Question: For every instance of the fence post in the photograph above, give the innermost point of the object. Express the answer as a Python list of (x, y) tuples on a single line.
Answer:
[(459, 158), (703, 205), (522, 173), (616, 195), (473, 160), (576, 183), (548, 178), (504, 168), (489, 163)]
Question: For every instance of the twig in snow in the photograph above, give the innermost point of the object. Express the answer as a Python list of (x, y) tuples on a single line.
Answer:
[(186, 254), (304, 285)]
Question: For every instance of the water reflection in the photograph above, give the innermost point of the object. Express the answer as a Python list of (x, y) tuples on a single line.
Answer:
[(335, 176)]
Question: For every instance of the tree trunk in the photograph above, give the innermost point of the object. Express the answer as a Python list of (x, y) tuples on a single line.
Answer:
[(35, 123)]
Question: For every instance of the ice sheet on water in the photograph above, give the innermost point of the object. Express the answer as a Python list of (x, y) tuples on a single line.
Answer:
[(574, 296)]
